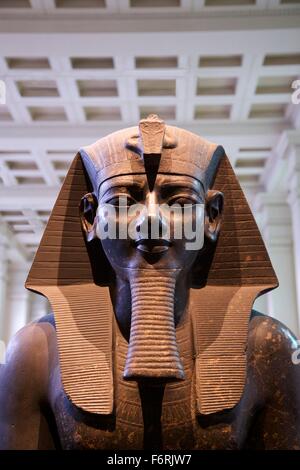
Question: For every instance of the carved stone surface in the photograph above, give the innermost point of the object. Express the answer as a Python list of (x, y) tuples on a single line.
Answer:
[(153, 346)]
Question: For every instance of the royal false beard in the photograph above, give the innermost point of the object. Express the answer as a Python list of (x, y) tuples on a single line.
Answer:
[(153, 351)]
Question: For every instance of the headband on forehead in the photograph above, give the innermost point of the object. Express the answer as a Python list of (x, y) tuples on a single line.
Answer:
[(148, 149)]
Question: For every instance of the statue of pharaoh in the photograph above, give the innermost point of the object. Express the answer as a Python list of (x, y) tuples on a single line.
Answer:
[(153, 343)]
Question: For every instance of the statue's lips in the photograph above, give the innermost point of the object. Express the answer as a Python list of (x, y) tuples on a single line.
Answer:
[(152, 245)]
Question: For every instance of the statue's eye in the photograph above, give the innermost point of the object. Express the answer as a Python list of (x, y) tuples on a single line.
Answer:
[(122, 200), (180, 195), (182, 200)]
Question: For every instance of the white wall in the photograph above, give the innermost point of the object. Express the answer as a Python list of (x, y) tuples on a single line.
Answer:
[(275, 223), (19, 306)]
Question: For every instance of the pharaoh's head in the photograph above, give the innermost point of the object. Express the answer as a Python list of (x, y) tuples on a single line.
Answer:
[(148, 243), (150, 198), (137, 176)]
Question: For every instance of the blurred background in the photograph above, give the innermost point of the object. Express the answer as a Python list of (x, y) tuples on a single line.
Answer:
[(73, 71)]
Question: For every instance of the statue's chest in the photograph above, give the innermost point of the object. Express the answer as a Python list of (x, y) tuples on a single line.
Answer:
[(144, 419), (148, 417)]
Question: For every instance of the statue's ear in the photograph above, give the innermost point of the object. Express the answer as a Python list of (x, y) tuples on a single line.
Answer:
[(88, 210), (213, 214)]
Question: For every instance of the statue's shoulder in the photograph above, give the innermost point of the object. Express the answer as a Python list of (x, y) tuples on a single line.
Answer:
[(25, 379), (269, 335), (272, 348), (29, 354)]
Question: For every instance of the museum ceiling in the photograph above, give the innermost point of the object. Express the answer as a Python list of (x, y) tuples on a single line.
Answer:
[(76, 70)]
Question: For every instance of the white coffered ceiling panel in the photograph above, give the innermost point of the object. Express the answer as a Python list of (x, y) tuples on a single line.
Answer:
[(76, 70)]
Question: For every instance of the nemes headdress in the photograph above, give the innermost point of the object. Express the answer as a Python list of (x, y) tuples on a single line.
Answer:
[(240, 269)]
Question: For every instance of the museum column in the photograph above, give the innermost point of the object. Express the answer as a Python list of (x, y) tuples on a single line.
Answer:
[(3, 289), (38, 306), (294, 201), (17, 300), (276, 228)]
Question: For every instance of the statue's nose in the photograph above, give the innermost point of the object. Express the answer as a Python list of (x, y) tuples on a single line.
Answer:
[(151, 224)]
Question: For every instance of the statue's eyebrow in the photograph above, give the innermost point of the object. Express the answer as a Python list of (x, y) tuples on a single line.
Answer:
[(133, 184), (183, 184)]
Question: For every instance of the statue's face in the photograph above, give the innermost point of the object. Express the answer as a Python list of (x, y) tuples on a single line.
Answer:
[(151, 265), (138, 210)]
